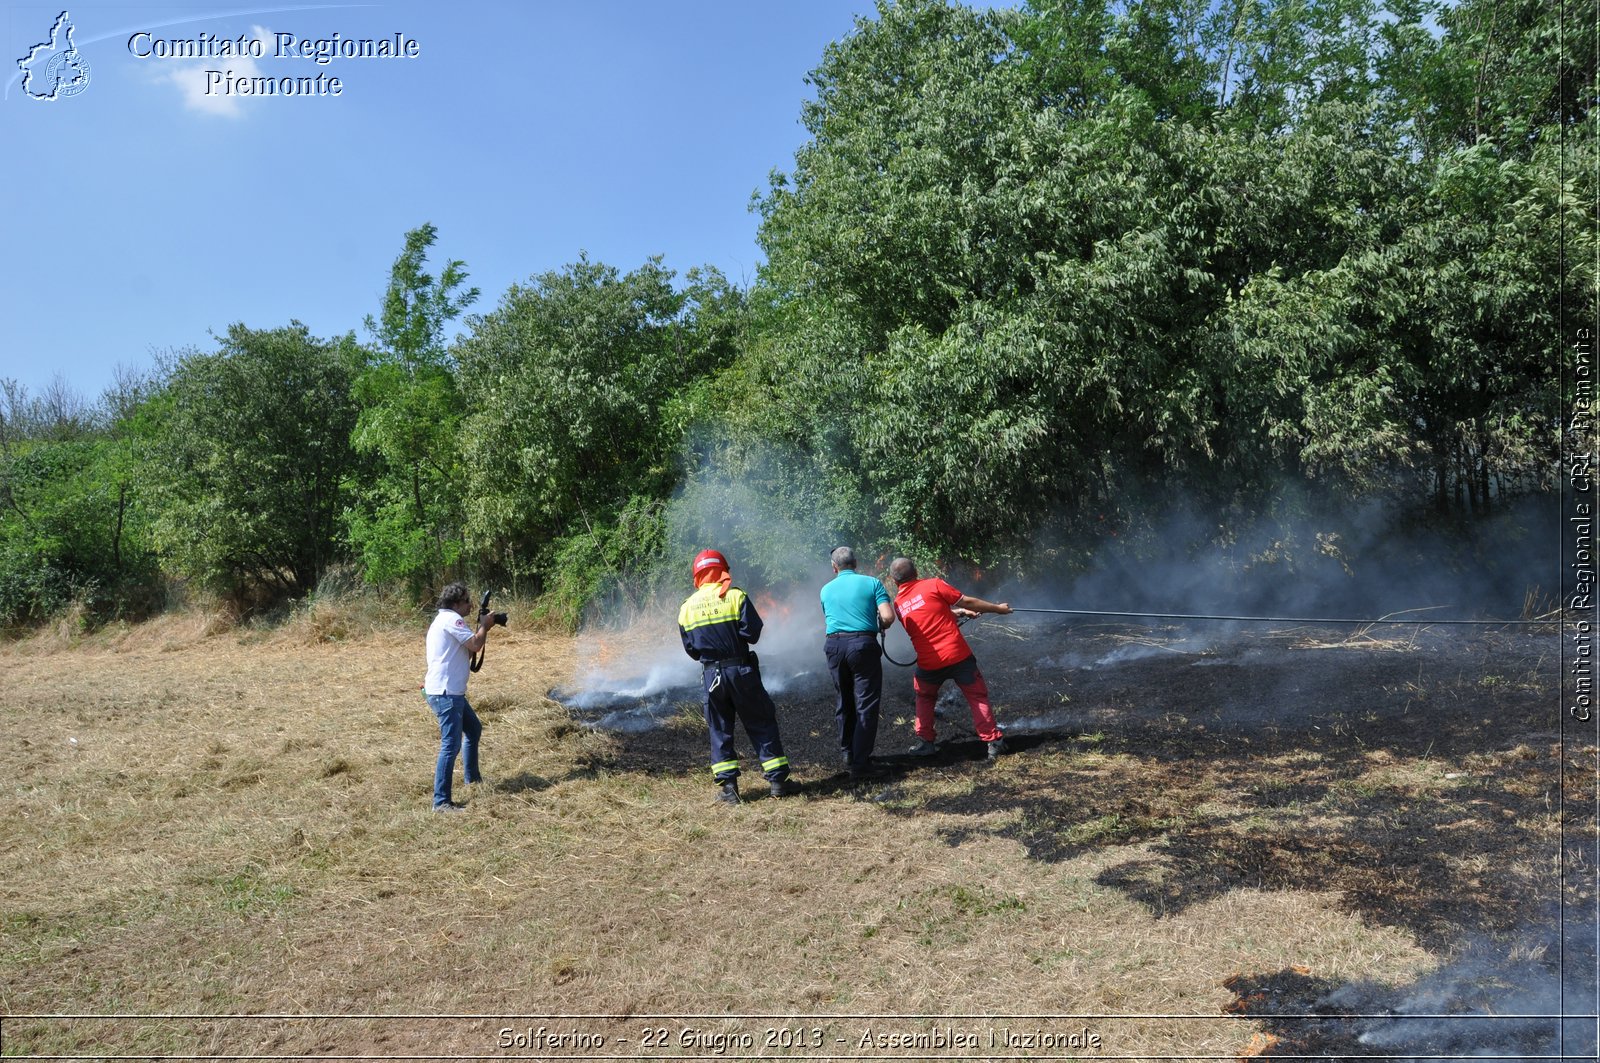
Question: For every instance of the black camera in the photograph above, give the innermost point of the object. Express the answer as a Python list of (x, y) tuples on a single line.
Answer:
[(483, 611)]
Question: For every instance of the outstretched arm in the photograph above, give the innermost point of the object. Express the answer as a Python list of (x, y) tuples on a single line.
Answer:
[(975, 606)]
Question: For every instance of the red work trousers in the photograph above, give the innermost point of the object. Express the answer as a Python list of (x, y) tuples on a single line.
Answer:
[(965, 673)]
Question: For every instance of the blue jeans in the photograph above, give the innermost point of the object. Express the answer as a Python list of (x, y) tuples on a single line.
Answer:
[(459, 730)]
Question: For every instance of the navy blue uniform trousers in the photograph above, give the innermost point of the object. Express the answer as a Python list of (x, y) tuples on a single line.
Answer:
[(736, 690), (856, 664)]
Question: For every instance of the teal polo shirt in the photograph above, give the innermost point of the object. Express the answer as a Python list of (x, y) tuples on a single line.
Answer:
[(850, 602)]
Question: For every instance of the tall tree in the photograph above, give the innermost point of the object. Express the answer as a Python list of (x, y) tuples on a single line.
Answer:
[(581, 384), (251, 457), (405, 520), (1030, 262)]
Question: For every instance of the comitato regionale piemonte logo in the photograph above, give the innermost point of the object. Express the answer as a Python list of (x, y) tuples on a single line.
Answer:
[(55, 69)]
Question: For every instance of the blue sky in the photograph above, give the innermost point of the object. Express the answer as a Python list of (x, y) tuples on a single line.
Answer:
[(142, 214)]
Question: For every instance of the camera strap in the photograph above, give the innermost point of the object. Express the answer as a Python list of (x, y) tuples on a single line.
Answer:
[(475, 661)]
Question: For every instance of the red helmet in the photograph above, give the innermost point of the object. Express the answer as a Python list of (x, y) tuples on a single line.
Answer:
[(708, 559)]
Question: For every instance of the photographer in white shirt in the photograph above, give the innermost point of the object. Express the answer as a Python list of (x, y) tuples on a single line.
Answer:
[(451, 646)]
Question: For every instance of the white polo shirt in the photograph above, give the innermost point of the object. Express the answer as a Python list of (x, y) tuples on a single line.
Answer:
[(448, 664)]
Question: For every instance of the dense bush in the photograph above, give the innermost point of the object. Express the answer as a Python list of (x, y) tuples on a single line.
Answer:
[(249, 458), (580, 386), (73, 530)]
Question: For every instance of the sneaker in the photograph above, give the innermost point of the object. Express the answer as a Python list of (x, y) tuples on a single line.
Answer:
[(729, 794), (784, 788), (924, 749), (998, 748), (451, 807)]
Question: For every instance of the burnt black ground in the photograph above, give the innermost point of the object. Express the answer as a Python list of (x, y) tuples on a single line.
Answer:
[(1288, 723), (1164, 690)]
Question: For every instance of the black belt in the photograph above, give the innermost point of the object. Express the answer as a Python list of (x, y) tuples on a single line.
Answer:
[(747, 658), (851, 634)]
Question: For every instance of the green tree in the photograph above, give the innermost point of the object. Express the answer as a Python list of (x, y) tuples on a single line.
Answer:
[(1030, 264), (405, 520), (582, 383), (987, 300), (1450, 377), (1079, 54), (72, 527), (250, 459)]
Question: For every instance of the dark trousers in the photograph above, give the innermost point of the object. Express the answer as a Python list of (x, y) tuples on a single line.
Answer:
[(856, 664), (736, 690)]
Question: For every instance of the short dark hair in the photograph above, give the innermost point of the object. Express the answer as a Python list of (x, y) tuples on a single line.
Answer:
[(843, 557), (453, 593), (902, 570)]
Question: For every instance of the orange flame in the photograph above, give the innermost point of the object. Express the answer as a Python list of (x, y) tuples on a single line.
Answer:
[(1245, 1003)]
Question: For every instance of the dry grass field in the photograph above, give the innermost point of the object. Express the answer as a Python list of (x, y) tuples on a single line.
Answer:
[(210, 820)]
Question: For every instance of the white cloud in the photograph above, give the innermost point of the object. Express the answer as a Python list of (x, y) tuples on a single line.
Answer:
[(191, 79)]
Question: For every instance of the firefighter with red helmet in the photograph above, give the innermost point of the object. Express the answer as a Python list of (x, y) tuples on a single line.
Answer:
[(718, 624)]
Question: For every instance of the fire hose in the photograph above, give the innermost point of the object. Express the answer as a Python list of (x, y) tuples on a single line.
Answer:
[(883, 642), (1387, 618)]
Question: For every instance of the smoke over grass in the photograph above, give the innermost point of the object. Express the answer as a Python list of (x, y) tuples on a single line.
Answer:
[(1307, 557), (639, 671), (747, 506), (1522, 995)]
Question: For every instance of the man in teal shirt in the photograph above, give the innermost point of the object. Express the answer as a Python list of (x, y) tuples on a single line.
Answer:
[(855, 608)]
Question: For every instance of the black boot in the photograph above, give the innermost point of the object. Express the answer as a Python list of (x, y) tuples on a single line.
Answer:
[(729, 794), (784, 787)]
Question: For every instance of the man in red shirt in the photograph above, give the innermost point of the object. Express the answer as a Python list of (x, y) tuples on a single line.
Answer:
[(927, 609)]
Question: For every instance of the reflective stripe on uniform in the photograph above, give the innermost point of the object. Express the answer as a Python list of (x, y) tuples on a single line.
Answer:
[(775, 762), (705, 607), (724, 765)]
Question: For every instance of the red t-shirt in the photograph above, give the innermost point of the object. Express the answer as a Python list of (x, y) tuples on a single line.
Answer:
[(923, 606)]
